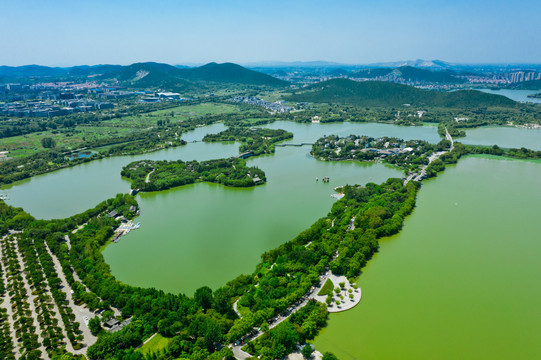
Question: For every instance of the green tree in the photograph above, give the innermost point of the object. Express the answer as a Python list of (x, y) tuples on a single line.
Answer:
[(329, 356), (94, 325), (307, 352), (48, 142), (203, 296)]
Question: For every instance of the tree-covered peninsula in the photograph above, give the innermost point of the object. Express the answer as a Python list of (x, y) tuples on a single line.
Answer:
[(254, 141), (409, 155), (149, 175), (198, 326)]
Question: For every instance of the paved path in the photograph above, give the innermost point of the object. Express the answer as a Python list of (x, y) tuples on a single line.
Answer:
[(448, 137), (31, 300), (6, 304), (418, 176), (346, 303), (79, 311), (239, 354), (312, 294), (235, 308), (56, 312), (147, 180), (76, 276)]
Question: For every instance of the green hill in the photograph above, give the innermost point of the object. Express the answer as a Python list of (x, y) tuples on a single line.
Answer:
[(379, 93), (154, 75), (27, 71), (157, 75), (229, 73), (86, 70)]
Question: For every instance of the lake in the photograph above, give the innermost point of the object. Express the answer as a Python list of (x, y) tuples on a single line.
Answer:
[(460, 281), (517, 95), (462, 278)]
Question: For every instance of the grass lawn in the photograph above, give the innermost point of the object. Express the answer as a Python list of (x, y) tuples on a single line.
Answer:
[(157, 343), (273, 96), (327, 288), (25, 145), (179, 113)]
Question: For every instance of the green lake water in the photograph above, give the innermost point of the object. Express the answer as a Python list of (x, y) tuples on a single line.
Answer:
[(461, 281), (207, 234), (517, 95), (508, 137), (66, 192)]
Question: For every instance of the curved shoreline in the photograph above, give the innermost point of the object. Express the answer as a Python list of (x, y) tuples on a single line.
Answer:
[(345, 303)]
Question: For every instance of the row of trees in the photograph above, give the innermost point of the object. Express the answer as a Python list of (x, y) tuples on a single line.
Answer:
[(6, 343), (300, 327), (39, 277), (23, 323)]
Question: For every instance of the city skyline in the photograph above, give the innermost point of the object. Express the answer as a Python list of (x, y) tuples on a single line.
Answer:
[(183, 32)]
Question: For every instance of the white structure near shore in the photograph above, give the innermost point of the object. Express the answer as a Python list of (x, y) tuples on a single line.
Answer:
[(343, 297)]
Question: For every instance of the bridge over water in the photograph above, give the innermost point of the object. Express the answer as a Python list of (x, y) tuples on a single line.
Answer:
[(301, 144)]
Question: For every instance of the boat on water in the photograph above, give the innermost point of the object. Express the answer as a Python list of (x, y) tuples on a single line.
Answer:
[(3, 197)]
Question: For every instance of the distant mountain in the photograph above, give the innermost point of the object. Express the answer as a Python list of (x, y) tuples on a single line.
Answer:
[(293, 64), (28, 71), (151, 74), (85, 70), (228, 73), (378, 93), (419, 63), (410, 74)]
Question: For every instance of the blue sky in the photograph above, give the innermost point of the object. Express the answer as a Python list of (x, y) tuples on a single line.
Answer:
[(63, 33)]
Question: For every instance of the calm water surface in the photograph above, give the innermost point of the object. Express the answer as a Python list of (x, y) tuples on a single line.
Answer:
[(207, 234), (517, 95), (461, 281), (509, 137), (73, 190)]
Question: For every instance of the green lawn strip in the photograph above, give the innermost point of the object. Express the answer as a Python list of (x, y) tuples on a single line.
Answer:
[(157, 343), (327, 288)]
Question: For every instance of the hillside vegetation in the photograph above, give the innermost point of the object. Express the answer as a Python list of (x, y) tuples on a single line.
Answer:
[(377, 93), (151, 75)]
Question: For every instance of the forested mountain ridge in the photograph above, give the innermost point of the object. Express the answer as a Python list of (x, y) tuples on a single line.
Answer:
[(379, 93)]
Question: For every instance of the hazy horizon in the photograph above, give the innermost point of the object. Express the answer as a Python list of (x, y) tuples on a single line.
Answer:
[(67, 33), (269, 63)]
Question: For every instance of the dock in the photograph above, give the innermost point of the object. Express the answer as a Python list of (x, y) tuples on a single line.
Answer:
[(124, 229)]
